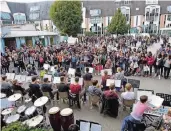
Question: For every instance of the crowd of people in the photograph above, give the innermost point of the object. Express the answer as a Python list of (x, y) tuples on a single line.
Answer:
[(102, 52), (96, 52)]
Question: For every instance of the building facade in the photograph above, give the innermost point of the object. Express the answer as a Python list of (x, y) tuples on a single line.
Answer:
[(147, 16)]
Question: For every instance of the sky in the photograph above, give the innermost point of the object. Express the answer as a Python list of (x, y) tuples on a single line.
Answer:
[(26, 1)]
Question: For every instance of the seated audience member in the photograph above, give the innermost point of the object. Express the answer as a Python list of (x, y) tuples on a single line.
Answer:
[(137, 113), (74, 94), (95, 89), (104, 79), (63, 87), (17, 87), (31, 71), (128, 94), (6, 87), (47, 87)]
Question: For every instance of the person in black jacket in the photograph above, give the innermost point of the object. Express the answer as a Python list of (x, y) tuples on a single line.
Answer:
[(35, 92)]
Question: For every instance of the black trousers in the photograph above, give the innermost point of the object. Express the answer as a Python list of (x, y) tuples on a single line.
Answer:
[(72, 100), (166, 72)]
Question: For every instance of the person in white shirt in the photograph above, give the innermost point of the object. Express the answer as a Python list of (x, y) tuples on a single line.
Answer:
[(128, 95)]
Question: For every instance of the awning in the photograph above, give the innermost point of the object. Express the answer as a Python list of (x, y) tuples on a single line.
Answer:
[(21, 33)]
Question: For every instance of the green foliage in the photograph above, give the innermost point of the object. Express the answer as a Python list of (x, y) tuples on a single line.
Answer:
[(67, 16), (118, 24), (17, 126), (89, 33)]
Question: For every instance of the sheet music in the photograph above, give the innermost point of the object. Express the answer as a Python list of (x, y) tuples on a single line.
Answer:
[(156, 100), (84, 126), (48, 76), (90, 70), (71, 71), (56, 80), (108, 70), (52, 68), (10, 76), (46, 66), (117, 83), (80, 81), (28, 78), (109, 82), (23, 78), (17, 77), (96, 127), (141, 93)]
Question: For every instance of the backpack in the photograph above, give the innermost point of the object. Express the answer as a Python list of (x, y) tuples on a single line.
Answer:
[(41, 60)]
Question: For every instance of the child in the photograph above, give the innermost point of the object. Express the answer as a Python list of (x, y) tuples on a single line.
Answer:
[(137, 113), (146, 70)]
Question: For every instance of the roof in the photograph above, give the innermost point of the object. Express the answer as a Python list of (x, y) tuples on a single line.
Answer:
[(20, 33)]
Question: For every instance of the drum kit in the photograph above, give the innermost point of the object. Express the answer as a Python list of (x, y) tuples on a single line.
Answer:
[(61, 119), (30, 116), (26, 113)]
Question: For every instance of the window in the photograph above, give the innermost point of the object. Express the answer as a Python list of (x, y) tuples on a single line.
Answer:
[(151, 2), (34, 16), (169, 17), (5, 16)]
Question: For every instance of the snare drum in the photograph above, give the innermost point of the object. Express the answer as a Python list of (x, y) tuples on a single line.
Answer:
[(21, 110), (31, 111), (67, 118), (54, 118)]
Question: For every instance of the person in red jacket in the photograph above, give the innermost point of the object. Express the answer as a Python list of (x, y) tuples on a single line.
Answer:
[(75, 90), (150, 61)]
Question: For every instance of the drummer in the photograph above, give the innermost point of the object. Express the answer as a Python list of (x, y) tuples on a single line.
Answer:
[(5, 86), (35, 92), (47, 87), (17, 87)]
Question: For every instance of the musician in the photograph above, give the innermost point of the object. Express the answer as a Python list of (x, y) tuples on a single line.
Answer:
[(75, 89), (16, 87), (94, 89), (47, 87), (128, 95), (87, 81), (6, 87), (137, 113), (63, 87), (110, 102), (104, 79), (35, 91)]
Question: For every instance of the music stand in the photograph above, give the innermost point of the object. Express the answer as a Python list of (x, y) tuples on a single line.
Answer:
[(134, 83), (91, 124)]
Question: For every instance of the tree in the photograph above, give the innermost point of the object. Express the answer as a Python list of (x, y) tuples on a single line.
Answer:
[(67, 16), (118, 24)]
